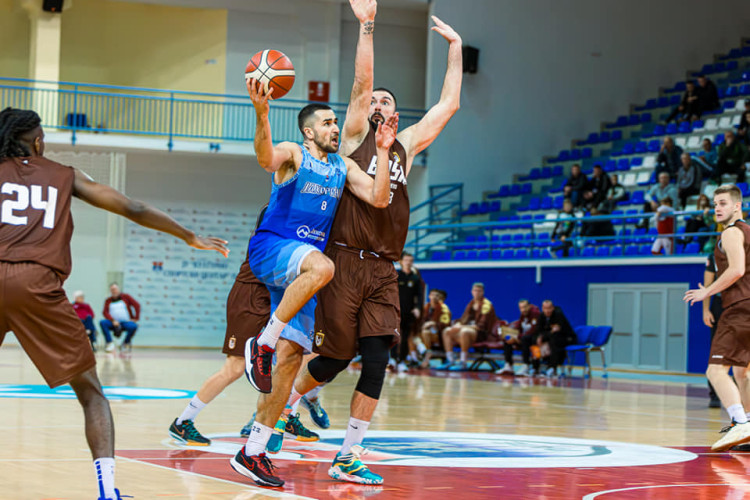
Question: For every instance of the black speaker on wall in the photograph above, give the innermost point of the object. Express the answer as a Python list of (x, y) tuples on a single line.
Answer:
[(471, 58), (52, 5)]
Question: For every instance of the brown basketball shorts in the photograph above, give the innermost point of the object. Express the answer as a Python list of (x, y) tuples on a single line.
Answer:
[(248, 311), (731, 343), (360, 301), (34, 307)]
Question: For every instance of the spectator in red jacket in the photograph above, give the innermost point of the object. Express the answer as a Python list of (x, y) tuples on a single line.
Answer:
[(527, 326), (121, 312), (86, 315)]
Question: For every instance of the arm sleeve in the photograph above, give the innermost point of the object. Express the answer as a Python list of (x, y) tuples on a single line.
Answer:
[(89, 311), (464, 319), (136, 307)]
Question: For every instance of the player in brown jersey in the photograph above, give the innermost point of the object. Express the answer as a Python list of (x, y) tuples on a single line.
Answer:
[(731, 344), (359, 308), (35, 230)]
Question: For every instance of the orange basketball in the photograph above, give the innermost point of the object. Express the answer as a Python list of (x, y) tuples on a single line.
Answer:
[(273, 69)]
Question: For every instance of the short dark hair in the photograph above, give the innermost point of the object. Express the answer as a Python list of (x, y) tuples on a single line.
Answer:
[(405, 254), (597, 166), (383, 89), (308, 111), (730, 189), (442, 293)]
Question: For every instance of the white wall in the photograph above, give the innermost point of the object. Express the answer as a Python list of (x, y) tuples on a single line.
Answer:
[(540, 83)]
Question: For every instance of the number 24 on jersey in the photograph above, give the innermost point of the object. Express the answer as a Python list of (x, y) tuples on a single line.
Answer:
[(11, 210)]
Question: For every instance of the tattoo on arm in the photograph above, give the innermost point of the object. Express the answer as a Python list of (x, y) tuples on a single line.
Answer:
[(369, 27)]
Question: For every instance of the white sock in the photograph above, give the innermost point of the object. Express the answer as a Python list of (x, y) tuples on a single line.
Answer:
[(420, 346), (272, 332), (258, 439), (355, 434), (293, 400), (464, 356), (450, 356), (191, 410), (737, 413), (313, 394), (105, 476)]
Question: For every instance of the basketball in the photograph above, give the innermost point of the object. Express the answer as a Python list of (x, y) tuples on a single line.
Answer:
[(273, 69)]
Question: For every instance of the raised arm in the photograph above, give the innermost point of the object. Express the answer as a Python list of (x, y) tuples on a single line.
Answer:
[(375, 192), (271, 158), (357, 125), (420, 135), (105, 197)]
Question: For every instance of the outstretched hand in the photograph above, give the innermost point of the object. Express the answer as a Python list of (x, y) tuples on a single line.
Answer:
[(364, 10), (209, 243), (693, 296), (258, 95), (386, 133), (445, 30)]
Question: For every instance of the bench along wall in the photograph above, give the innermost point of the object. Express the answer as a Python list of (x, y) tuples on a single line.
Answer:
[(598, 291)]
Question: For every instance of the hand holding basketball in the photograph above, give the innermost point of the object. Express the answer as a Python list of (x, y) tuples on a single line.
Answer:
[(259, 96), (445, 30), (386, 133)]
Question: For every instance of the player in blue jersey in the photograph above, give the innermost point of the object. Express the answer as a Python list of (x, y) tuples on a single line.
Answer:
[(286, 253)]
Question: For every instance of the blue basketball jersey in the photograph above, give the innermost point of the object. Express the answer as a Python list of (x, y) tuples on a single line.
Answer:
[(303, 207)]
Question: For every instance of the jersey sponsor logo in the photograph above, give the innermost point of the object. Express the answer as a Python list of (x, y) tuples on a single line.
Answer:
[(305, 233), (317, 189), (232, 342), (319, 338), (397, 171)]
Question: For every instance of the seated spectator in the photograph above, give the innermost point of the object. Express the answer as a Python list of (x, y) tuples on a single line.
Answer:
[(556, 332), (708, 95), (86, 315), (615, 194), (597, 228), (732, 158), (437, 317), (707, 158), (688, 108), (664, 221), (656, 194), (669, 158), (561, 236), (575, 185), (743, 134), (473, 326), (689, 180), (121, 312), (699, 222), (596, 192), (527, 326)]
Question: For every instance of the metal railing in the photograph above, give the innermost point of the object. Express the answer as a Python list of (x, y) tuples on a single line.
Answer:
[(535, 227), (170, 114)]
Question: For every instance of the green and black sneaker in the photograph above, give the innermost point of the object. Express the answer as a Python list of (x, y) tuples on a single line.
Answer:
[(187, 433), (299, 431)]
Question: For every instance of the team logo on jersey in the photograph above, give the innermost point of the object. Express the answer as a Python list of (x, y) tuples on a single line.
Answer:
[(397, 171), (319, 337), (232, 342), (303, 232), (313, 188)]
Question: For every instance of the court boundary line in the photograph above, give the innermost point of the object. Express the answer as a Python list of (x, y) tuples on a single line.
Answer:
[(592, 496)]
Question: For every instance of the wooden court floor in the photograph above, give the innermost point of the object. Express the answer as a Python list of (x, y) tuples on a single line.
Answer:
[(435, 435)]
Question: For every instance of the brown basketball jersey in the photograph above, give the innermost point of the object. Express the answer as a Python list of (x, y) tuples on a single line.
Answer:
[(35, 220), (740, 290), (360, 225)]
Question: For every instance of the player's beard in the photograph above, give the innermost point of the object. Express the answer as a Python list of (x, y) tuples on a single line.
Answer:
[(328, 147), (376, 118)]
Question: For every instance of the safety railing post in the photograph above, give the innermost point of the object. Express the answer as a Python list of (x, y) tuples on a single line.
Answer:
[(170, 144), (75, 115)]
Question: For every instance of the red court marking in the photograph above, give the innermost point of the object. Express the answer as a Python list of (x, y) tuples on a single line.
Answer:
[(708, 477)]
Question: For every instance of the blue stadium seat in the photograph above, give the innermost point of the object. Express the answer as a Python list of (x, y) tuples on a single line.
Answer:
[(563, 156), (744, 188), (535, 173), (732, 65), (692, 248), (484, 207), (616, 135), (504, 191), (645, 249), (557, 171), (483, 255), (460, 255), (471, 255), (659, 130), (654, 146), (587, 252), (631, 250), (610, 166), (728, 105), (662, 102), (671, 129), (637, 198), (546, 172), (575, 154), (675, 100), (641, 147), (628, 148), (536, 253), (517, 240), (526, 188), (497, 254), (508, 254), (744, 89), (636, 162), (522, 254), (632, 220), (593, 138), (719, 139), (546, 203), (602, 251), (587, 153), (616, 221), (481, 242), (495, 206), (646, 118), (685, 128), (616, 251), (623, 164), (634, 120), (534, 203), (515, 190), (606, 137)]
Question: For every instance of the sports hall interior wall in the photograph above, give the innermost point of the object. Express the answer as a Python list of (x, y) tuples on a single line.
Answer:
[(551, 71), (14, 39), (568, 287)]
